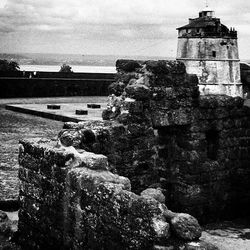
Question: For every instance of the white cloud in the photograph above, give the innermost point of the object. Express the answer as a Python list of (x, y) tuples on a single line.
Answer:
[(102, 21), (2, 3)]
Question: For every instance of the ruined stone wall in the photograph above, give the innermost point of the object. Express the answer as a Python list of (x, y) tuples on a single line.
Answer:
[(191, 153), (70, 200), (130, 142), (207, 167), (163, 134)]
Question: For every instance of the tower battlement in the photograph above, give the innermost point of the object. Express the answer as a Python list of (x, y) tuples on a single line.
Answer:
[(206, 25), (209, 49)]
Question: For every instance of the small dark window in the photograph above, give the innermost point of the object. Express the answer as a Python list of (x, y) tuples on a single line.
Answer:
[(212, 137), (214, 53)]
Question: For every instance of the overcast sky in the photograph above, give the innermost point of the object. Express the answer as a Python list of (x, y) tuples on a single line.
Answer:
[(120, 27)]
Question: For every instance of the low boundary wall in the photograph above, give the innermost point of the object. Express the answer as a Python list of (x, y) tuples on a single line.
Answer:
[(46, 84)]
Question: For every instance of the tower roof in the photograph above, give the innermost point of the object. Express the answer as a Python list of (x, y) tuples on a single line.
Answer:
[(210, 25), (206, 18), (200, 23)]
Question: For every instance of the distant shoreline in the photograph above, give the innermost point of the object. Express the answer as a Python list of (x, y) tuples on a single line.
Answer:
[(75, 68)]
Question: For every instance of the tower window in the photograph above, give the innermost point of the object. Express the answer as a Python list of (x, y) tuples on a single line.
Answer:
[(214, 53)]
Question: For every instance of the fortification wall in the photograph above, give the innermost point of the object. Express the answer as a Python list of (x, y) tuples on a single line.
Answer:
[(202, 48), (166, 135), (70, 200), (192, 152), (46, 84)]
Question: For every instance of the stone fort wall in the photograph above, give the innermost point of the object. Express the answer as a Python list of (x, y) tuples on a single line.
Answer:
[(158, 133), (196, 148)]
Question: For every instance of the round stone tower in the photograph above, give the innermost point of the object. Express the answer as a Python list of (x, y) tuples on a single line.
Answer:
[(210, 50)]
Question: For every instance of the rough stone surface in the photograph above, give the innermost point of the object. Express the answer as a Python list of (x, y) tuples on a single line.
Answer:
[(69, 199), (66, 202), (138, 91), (154, 193), (3, 216), (186, 226)]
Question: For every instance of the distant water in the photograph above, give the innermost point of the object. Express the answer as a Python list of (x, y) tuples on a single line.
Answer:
[(75, 68)]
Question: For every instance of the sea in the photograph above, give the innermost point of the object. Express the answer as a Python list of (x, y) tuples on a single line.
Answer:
[(79, 63), (75, 68)]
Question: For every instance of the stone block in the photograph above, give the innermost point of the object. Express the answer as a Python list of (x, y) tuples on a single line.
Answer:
[(127, 65), (138, 91), (154, 193), (116, 88), (165, 67), (70, 137), (145, 229)]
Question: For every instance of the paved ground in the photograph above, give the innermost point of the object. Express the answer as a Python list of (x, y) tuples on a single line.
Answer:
[(67, 111)]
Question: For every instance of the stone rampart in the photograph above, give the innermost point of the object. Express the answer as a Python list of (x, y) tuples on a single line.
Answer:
[(70, 200), (176, 150), (161, 133)]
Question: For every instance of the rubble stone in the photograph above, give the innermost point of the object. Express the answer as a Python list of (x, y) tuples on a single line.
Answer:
[(154, 193), (186, 227)]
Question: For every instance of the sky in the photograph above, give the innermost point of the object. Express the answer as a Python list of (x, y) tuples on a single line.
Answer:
[(110, 27)]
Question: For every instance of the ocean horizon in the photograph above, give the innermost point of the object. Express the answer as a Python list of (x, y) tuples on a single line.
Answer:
[(75, 68)]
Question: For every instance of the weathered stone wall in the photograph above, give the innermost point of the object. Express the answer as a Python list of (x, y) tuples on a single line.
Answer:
[(202, 48), (189, 152), (207, 162), (226, 75), (163, 134), (70, 200), (215, 61)]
